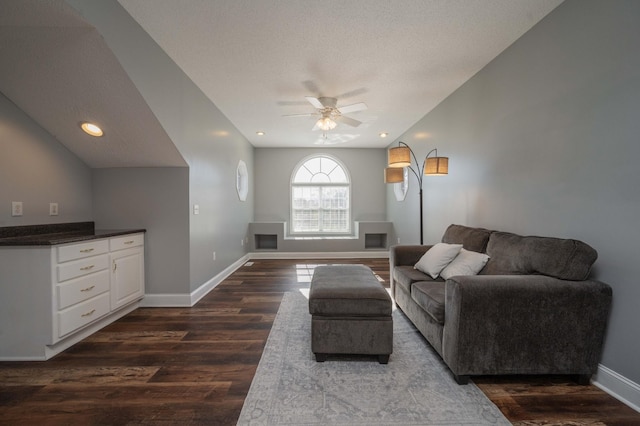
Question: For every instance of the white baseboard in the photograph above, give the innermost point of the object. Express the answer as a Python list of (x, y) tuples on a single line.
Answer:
[(205, 288), (186, 300), (319, 255), (618, 386)]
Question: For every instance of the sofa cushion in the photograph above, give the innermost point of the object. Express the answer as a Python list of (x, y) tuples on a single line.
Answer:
[(473, 239), (466, 263), (430, 297), (565, 259), (404, 276), (437, 257)]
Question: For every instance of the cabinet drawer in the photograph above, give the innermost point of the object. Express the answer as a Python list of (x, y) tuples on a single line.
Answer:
[(83, 288), (82, 250), (82, 314), (126, 241), (78, 268)]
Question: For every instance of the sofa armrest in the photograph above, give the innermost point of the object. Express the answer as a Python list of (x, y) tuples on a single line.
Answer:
[(407, 255), (524, 324), (404, 255)]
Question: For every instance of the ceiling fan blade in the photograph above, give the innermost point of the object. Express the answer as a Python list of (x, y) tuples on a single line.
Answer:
[(360, 106), (314, 101), (309, 114), (348, 121)]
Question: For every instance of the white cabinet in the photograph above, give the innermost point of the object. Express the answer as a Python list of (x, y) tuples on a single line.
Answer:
[(127, 270), (53, 296), (95, 278)]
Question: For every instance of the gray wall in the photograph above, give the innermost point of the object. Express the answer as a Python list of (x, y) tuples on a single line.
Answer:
[(210, 144), (37, 169), (154, 199), (274, 166), (544, 141)]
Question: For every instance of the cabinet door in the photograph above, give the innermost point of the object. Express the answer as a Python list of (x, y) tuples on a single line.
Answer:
[(127, 276)]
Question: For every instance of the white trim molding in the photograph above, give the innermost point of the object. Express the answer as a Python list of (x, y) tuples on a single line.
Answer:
[(320, 255), (186, 300), (618, 386)]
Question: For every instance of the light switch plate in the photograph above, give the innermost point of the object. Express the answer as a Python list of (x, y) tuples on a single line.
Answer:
[(53, 209), (16, 208)]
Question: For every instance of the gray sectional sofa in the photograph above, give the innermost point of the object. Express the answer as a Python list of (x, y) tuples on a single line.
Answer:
[(530, 310)]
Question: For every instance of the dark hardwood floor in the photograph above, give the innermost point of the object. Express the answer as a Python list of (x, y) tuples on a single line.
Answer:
[(192, 366)]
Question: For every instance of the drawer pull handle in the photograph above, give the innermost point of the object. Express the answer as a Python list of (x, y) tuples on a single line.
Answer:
[(86, 268), (89, 250), (129, 242), (88, 313), (88, 288)]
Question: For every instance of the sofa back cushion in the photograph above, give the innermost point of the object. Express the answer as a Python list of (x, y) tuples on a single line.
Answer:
[(560, 258), (473, 239)]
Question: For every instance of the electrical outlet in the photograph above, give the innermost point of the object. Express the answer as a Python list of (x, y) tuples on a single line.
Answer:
[(214, 255), (241, 242), (16, 208), (53, 209), (196, 209), (398, 240)]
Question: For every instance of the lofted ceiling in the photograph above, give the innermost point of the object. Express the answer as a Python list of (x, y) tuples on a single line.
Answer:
[(57, 68), (257, 60)]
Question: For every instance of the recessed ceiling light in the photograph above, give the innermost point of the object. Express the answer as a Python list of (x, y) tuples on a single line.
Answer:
[(384, 134), (92, 129), (260, 133)]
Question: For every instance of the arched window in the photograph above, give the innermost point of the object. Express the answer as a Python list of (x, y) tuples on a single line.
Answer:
[(320, 197)]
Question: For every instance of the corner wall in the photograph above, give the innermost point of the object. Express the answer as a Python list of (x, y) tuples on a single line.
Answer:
[(544, 141), (37, 169)]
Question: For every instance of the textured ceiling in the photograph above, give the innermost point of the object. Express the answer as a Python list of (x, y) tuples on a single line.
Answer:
[(58, 69), (257, 60)]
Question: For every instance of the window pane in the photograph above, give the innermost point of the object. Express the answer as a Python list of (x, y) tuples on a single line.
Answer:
[(306, 221), (320, 178), (335, 198), (306, 197), (303, 175), (313, 165), (338, 175), (327, 165)]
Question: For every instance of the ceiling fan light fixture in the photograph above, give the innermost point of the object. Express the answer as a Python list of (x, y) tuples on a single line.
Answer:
[(326, 123)]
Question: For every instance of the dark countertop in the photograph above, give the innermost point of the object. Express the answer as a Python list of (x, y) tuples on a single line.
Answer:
[(46, 235)]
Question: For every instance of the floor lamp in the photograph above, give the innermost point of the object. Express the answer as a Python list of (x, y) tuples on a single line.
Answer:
[(401, 156)]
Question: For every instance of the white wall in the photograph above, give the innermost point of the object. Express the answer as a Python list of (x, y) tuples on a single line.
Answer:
[(37, 169), (274, 166), (544, 141), (154, 199)]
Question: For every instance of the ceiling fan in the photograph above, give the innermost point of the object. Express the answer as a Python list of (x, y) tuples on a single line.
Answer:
[(329, 113)]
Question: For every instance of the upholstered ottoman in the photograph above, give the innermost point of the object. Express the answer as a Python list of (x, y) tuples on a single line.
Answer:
[(350, 313)]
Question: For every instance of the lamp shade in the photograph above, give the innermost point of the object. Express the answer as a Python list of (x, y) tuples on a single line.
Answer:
[(393, 175), (437, 166), (399, 156)]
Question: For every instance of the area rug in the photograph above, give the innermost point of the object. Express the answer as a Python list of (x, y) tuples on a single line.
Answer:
[(415, 388)]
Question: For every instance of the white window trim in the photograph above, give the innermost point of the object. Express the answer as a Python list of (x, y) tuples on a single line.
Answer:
[(349, 230)]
